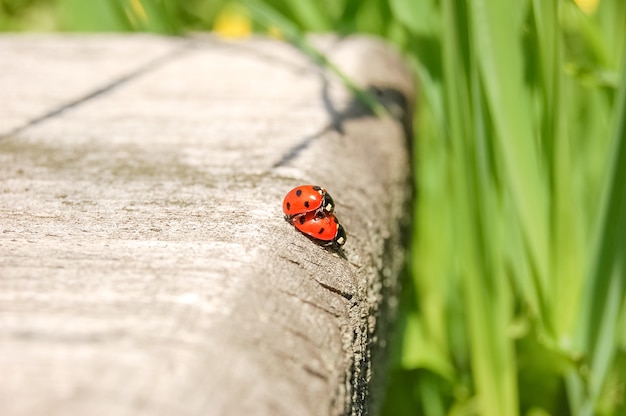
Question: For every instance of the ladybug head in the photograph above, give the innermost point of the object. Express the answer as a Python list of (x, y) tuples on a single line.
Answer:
[(340, 238), (328, 204)]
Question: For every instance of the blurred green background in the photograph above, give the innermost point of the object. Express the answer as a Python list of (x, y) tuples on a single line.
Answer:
[(514, 301)]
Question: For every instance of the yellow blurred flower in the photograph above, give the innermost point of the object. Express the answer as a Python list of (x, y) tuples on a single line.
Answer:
[(587, 6), (233, 22), (139, 10), (136, 12)]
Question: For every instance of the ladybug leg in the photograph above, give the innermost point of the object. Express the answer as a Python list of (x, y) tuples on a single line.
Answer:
[(292, 218), (295, 218)]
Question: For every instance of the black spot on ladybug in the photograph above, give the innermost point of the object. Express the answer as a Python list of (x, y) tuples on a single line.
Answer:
[(306, 204), (317, 188), (301, 219), (288, 206), (299, 192), (321, 230)]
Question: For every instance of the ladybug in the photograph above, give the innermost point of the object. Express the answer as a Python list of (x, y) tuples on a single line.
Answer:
[(325, 228), (307, 198)]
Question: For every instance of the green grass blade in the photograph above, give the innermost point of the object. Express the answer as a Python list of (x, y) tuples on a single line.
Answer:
[(606, 281), (610, 43), (500, 60), (476, 221), (566, 237), (157, 16), (310, 14), (418, 17), (94, 16), (121, 15)]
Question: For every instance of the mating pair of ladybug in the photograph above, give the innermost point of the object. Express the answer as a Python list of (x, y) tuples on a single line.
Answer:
[(310, 209)]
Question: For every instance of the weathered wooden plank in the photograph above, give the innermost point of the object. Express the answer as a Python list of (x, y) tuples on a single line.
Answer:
[(145, 266)]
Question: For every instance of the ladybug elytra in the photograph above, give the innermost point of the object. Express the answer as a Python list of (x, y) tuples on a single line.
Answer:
[(325, 228), (307, 198)]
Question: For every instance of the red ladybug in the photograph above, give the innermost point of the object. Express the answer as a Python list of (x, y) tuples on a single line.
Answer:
[(307, 198), (325, 228)]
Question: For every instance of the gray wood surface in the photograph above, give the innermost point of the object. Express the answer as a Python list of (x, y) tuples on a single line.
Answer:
[(145, 265)]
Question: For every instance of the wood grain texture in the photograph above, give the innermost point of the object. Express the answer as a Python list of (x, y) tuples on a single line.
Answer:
[(145, 265)]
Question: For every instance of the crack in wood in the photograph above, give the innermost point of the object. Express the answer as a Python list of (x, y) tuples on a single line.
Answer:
[(340, 292), (306, 367), (314, 372), (110, 86), (311, 303), (297, 263)]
